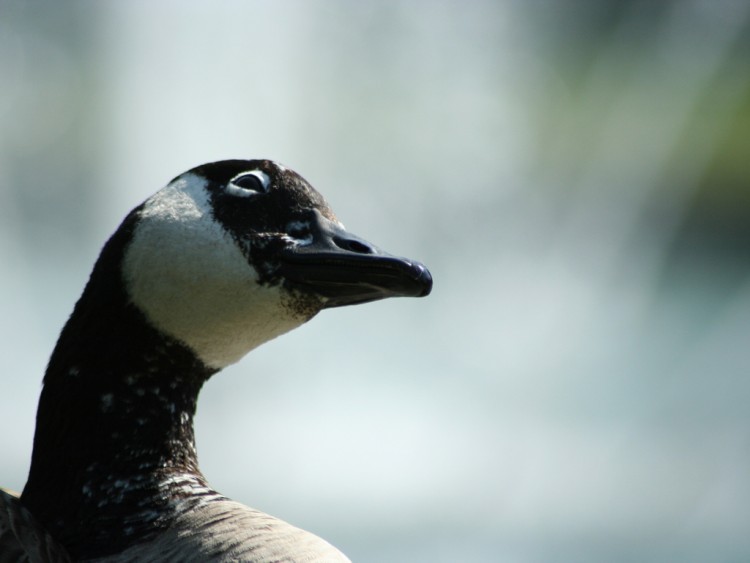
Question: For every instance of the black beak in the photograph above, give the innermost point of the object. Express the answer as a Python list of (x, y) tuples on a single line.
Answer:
[(345, 269)]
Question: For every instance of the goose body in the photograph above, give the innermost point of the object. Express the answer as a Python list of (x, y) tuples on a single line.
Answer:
[(227, 256)]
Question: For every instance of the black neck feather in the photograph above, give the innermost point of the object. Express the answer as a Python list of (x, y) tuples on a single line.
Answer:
[(115, 420)]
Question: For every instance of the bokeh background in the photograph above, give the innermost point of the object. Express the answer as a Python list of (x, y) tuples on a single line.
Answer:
[(575, 173)]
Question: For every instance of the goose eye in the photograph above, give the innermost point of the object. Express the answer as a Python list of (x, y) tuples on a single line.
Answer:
[(249, 184)]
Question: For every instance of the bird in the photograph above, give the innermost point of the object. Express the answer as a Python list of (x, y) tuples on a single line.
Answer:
[(225, 257)]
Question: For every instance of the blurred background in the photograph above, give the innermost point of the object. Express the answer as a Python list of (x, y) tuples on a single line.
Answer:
[(576, 175)]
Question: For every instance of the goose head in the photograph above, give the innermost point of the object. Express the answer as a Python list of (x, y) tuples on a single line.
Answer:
[(234, 253)]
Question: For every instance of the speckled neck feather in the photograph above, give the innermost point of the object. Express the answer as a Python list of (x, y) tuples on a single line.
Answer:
[(110, 420)]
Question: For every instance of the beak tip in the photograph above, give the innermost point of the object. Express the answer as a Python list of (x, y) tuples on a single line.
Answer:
[(424, 279)]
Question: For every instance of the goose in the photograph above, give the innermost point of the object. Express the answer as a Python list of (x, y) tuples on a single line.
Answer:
[(224, 258)]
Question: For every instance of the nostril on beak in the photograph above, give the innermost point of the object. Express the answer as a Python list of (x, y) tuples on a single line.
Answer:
[(353, 246)]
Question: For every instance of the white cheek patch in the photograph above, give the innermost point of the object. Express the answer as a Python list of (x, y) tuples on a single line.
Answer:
[(184, 271)]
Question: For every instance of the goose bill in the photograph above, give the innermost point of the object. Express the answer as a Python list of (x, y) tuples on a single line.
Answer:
[(347, 270)]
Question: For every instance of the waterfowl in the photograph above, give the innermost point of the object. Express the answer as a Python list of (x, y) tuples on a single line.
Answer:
[(227, 256)]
